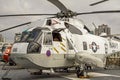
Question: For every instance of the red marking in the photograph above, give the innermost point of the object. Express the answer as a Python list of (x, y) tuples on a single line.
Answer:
[(97, 46), (55, 22), (90, 46), (6, 54)]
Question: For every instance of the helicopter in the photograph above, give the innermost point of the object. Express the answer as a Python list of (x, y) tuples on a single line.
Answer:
[(61, 41)]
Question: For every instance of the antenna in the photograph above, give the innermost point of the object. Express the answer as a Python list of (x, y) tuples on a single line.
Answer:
[(94, 25)]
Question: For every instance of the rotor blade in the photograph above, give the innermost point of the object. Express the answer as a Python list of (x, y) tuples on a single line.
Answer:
[(59, 5), (15, 26), (98, 2), (12, 15), (114, 35), (99, 12)]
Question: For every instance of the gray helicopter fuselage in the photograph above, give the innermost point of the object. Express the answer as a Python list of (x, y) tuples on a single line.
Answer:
[(61, 45)]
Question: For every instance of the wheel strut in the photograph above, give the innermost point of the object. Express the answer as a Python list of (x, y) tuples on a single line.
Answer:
[(81, 73)]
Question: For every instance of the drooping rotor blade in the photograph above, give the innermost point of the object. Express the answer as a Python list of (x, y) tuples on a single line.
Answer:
[(99, 12), (98, 2), (15, 26), (12, 15), (59, 5), (114, 35)]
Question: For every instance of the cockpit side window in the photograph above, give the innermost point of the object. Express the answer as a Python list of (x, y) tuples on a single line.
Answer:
[(57, 37), (47, 38), (49, 22)]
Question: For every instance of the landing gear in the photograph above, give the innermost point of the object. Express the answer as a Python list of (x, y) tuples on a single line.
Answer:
[(37, 73), (11, 62), (80, 72)]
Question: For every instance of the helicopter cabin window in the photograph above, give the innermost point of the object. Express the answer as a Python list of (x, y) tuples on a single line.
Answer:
[(47, 38), (57, 37), (49, 22), (84, 45)]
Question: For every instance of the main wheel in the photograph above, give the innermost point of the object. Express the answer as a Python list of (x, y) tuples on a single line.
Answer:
[(80, 73)]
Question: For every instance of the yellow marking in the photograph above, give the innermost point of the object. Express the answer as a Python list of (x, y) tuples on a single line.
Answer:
[(63, 49), (63, 38), (62, 44), (56, 50)]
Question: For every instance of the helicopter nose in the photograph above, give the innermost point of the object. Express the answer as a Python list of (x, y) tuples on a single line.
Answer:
[(20, 48)]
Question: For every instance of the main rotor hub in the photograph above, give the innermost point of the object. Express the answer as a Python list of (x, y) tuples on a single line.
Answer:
[(66, 14)]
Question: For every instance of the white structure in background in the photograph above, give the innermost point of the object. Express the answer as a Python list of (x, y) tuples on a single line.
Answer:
[(3, 42), (103, 29), (17, 37)]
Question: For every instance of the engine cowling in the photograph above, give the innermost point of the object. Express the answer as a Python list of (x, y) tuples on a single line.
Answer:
[(86, 58)]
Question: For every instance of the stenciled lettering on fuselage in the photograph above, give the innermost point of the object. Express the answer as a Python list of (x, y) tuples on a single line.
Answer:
[(113, 45), (94, 47)]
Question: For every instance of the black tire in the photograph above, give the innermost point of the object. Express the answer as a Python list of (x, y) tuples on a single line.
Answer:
[(11, 62), (80, 73)]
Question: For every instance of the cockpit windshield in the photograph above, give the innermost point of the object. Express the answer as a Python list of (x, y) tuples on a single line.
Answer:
[(28, 36)]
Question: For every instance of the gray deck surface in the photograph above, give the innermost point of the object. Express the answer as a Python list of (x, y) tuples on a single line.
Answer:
[(23, 74)]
